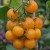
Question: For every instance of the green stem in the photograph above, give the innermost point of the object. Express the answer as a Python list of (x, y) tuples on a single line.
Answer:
[(17, 18), (17, 8)]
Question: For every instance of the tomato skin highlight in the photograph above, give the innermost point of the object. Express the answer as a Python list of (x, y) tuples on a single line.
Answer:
[(18, 31), (31, 34), (38, 34), (28, 23), (30, 44), (18, 44), (32, 7), (11, 15), (9, 36)]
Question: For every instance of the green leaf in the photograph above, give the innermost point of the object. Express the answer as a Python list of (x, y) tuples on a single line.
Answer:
[(15, 3), (48, 6)]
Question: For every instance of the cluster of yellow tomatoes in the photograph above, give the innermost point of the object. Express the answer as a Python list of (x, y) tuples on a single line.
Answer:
[(27, 34)]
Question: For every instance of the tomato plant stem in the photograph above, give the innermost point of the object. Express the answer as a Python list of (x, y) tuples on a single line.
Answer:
[(33, 15), (36, 47)]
